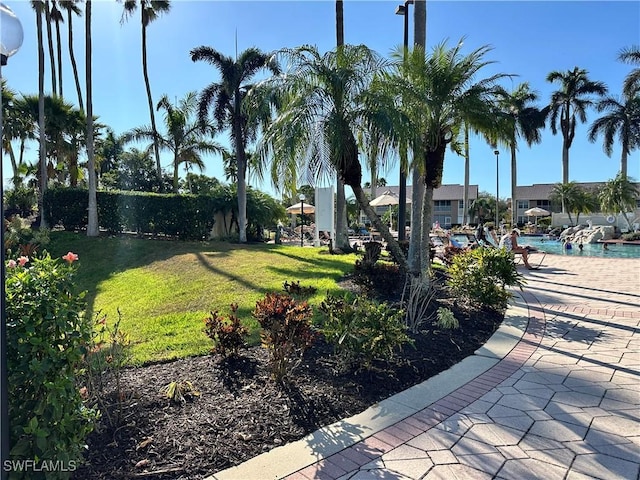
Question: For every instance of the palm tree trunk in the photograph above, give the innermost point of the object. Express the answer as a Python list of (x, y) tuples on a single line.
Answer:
[(241, 163), (175, 173), (565, 163), (415, 241), (342, 236), (47, 13), (393, 245), (420, 23), (514, 183), (92, 226), (623, 161), (42, 140), (59, 48), (147, 85), (72, 56)]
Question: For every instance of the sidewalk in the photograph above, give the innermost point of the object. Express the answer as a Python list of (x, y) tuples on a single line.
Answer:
[(555, 393)]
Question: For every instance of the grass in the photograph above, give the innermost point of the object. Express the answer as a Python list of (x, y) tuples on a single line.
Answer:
[(164, 289)]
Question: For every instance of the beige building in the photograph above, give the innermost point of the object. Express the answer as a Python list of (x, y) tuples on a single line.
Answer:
[(447, 203)]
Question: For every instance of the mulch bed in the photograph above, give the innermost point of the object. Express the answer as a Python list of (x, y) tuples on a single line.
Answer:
[(241, 412)]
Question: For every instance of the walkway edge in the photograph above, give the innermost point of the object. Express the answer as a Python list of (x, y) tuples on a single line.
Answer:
[(327, 441)]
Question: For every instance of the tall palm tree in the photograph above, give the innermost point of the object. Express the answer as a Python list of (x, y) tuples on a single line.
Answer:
[(38, 6), (72, 8), (442, 91), (57, 19), (418, 238), (52, 58), (631, 55), (92, 222), (184, 138), (228, 98), (342, 237), (328, 102), (521, 120), (569, 104), (621, 120), (108, 151), (619, 195), (150, 10)]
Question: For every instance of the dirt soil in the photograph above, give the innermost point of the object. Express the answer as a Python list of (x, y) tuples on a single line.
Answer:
[(241, 413)]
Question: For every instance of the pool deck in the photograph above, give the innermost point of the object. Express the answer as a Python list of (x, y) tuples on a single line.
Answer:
[(554, 394)]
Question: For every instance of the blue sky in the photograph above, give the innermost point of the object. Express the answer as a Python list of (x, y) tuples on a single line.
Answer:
[(529, 39)]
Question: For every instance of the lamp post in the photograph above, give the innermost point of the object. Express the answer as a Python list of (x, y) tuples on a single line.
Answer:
[(497, 189), (11, 37), (302, 199), (402, 204)]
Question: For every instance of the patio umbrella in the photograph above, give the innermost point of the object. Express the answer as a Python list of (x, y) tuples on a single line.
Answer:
[(387, 198), (295, 209), (537, 212)]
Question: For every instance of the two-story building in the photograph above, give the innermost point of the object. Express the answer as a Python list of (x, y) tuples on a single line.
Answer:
[(447, 203)]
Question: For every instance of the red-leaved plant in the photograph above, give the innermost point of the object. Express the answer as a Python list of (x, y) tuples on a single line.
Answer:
[(286, 331), (228, 334)]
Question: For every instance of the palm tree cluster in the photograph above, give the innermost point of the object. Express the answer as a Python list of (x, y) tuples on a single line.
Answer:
[(320, 118)]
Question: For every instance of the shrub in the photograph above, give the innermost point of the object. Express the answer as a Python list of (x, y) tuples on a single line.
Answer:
[(228, 334), (180, 392), (631, 237), (446, 319), (362, 330), (107, 357), (286, 331), (21, 239), (47, 337), (482, 275), (294, 288), (20, 201), (383, 280)]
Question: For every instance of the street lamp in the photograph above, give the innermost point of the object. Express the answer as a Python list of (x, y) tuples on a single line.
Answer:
[(402, 204), (11, 37), (497, 189), (302, 199)]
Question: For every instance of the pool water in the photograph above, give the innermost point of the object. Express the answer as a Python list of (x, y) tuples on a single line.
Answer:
[(588, 250)]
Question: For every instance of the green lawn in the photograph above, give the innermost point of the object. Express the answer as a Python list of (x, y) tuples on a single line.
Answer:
[(164, 289)]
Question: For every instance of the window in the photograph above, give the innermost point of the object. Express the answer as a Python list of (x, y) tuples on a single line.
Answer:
[(523, 204), (544, 203), (442, 206)]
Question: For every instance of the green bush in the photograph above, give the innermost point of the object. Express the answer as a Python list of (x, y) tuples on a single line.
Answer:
[(286, 331), (362, 330), (47, 337), (481, 276), (631, 237), (20, 201)]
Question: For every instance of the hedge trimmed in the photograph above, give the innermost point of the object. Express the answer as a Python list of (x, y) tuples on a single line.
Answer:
[(188, 217)]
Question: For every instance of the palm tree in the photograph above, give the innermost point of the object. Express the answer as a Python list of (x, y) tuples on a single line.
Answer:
[(569, 104), (108, 152), (442, 91), (342, 237), (328, 103), (228, 99), (619, 195), (150, 10), (52, 58), (72, 8), (57, 18), (92, 223), (13, 126), (622, 119), (183, 138), (521, 120), (631, 55), (567, 194), (38, 6)]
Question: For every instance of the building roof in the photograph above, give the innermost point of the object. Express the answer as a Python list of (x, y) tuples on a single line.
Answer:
[(542, 191), (444, 192)]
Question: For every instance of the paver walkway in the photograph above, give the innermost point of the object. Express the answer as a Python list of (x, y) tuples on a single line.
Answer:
[(560, 399)]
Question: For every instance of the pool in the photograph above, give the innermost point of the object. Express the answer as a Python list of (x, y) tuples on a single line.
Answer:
[(588, 250)]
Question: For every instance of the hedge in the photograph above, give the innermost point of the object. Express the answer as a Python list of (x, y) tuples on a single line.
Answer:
[(188, 217)]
